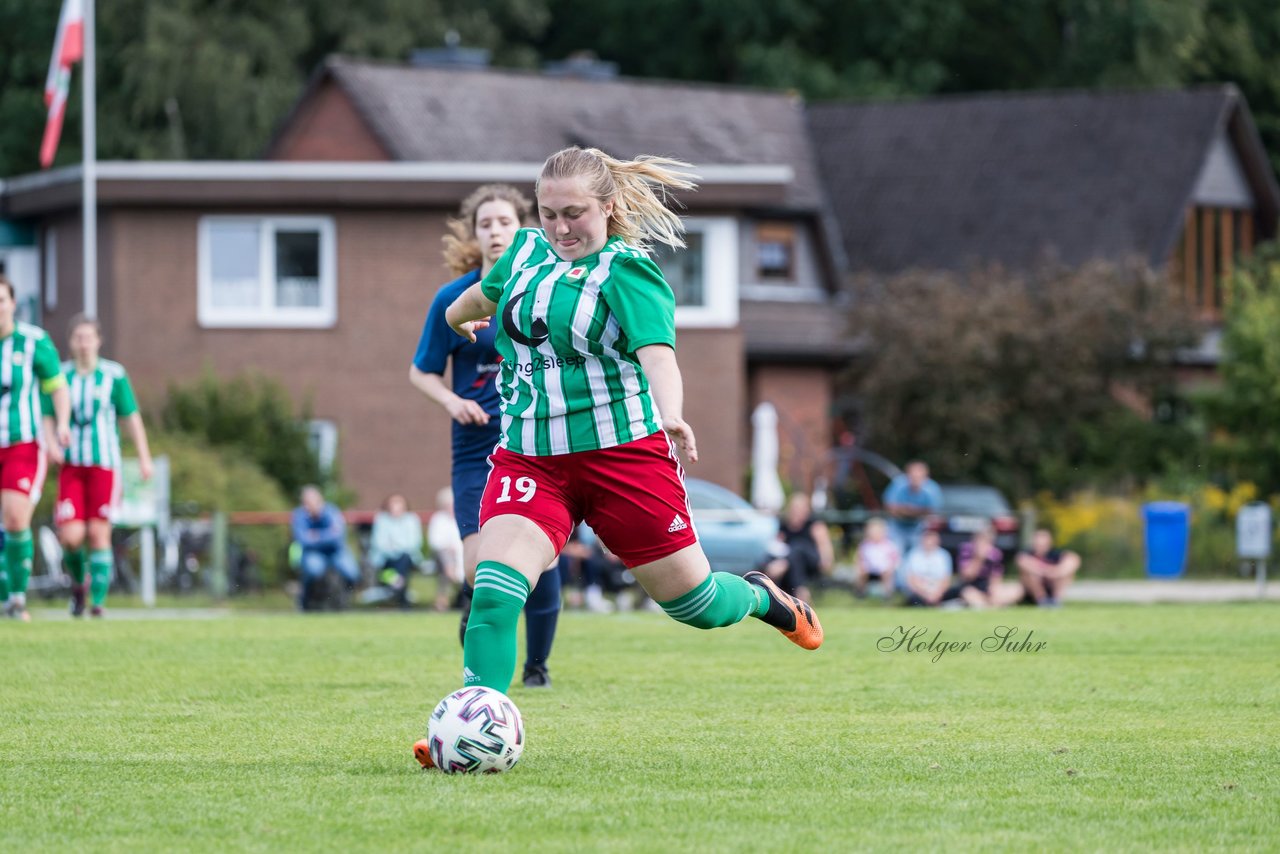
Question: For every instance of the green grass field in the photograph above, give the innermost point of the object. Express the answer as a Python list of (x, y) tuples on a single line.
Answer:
[(1134, 728)]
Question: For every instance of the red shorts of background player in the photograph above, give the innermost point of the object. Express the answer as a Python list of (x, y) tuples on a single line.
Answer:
[(86, 492), (22, 468), (631, 495)]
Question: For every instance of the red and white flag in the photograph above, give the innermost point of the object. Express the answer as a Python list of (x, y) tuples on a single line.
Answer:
[(68, 49)]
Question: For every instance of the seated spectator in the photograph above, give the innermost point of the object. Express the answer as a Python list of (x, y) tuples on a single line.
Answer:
[(320, 533), (615, 578), (602, 572), (395, 545), (445, 542), (979, 574), (876, 560), (572, 564), (776, 562), (809, 552), (1046, 572), (927, 571)]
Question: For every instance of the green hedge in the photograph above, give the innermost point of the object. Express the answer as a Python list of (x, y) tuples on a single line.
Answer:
[(1107, 530)]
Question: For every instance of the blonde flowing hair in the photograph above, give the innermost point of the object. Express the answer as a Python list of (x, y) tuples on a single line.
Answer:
[(462, 252), (639, 190)]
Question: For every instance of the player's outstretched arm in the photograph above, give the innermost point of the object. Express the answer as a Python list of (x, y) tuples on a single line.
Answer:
[(57, 455), (61, 398), (466, 314), (663, 371), (138, 432)]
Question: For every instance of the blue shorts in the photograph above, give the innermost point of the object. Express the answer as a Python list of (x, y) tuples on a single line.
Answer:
[(471, 450)]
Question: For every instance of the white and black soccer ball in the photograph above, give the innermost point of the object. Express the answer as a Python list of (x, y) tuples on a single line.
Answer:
[(475, 730)]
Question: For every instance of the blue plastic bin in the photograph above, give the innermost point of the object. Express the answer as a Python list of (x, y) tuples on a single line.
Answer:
[(1168, 530)]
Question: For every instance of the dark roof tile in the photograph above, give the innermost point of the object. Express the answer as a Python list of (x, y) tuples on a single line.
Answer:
[(806, 331), (945, 182), (443, 114)]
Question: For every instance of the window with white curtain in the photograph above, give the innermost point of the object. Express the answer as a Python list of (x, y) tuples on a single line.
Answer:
[(267, 271)]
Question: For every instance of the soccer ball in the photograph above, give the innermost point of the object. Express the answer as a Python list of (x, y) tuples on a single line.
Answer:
[(475, 730)]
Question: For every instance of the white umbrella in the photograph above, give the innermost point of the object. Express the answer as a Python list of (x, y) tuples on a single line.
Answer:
[(766, 486)]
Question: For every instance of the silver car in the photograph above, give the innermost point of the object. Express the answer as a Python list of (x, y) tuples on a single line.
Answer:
[(734, 535)]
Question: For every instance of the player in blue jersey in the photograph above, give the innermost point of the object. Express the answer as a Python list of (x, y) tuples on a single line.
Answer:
[(487, 222)]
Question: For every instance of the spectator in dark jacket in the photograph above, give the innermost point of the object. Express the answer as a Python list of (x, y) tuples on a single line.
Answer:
[(1046, 572), (979, 574)]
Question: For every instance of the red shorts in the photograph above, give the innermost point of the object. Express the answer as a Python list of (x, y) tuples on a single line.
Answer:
[(86, 492), (631, 495), (22, 469)]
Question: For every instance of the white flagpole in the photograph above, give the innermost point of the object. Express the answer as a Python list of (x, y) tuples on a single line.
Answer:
[(90, 168)]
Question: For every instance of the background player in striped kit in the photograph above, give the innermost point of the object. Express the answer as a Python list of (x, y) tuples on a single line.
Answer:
[(592, 404), (89, 483), (28, 366), (487, 221)]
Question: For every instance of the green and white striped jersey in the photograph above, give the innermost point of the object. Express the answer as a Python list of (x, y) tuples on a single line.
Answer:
[(568, 332), (26, 356), (98, 400)]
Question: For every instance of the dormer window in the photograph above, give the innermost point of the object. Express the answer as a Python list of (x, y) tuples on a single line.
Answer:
[(703, 275), (775, 252)]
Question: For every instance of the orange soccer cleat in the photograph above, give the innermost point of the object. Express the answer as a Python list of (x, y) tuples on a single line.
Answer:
[(422, 752), (795, 619)]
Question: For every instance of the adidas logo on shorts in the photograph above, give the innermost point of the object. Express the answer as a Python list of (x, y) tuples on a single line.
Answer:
[(677, 524)]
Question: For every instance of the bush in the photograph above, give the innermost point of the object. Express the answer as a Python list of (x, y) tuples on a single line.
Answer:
[(252, 414), (1023, 381), (1107, 530), (1245, 410), (205, 478)]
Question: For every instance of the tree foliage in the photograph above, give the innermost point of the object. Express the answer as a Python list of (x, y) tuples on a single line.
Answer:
[(212, 79), (1244, 411), (1019, 380), (203, 478), (251, 414), (872, 49)]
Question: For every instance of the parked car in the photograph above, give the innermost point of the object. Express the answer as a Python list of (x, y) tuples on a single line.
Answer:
[(967, 508), (734, 535)]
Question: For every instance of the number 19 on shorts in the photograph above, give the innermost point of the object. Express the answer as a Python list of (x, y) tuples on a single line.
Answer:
[(524, 485)]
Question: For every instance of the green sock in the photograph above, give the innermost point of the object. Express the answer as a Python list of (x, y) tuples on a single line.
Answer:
[(99, 576), (17, 558), (722, 599), (4, 585), (75, 560), (489, 647)]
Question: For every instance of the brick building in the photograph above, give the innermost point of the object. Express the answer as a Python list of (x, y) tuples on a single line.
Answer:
[(316, 265)]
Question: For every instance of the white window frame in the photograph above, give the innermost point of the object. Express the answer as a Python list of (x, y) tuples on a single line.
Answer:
[(719, 275), (322, 436), (49, 259), (267, 315)]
